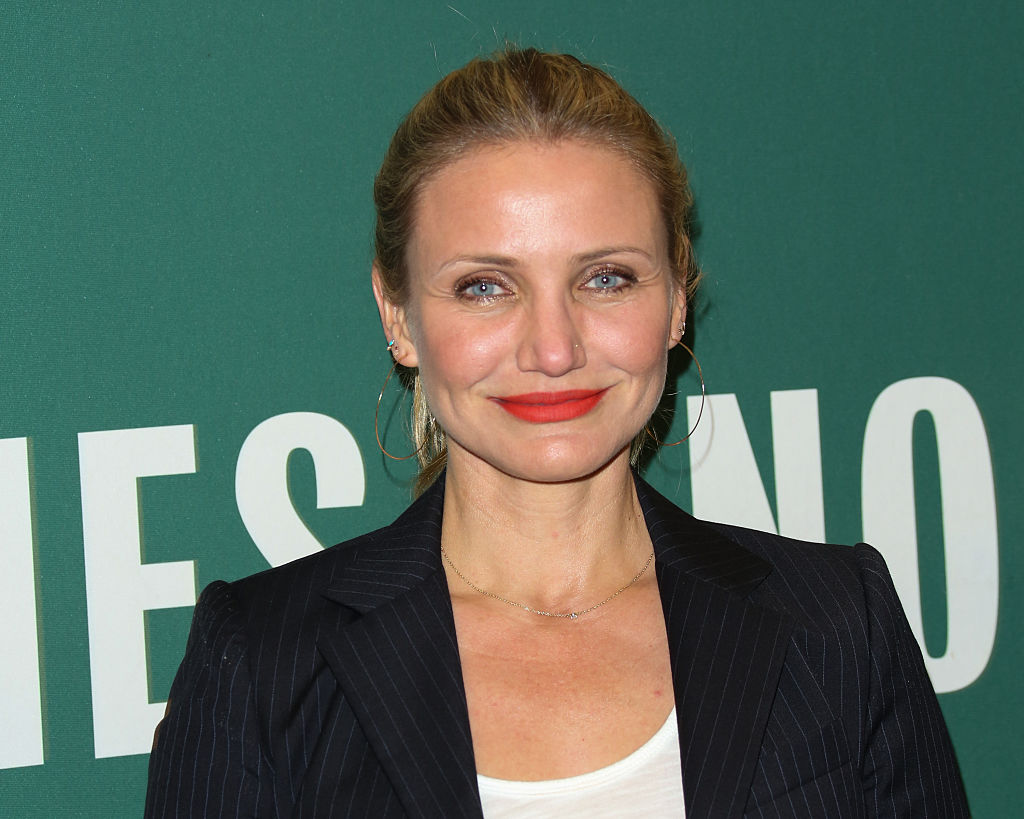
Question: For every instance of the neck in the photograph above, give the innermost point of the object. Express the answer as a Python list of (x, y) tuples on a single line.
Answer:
[(552, 546)]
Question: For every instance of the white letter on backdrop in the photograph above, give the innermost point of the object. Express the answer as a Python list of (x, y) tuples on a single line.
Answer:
[(261, 480), (726, 483), (796, 448), (968, 517), (21, 713), (119, 587)]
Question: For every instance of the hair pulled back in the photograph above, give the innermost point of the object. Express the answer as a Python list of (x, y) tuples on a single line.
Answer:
[(516, 95)]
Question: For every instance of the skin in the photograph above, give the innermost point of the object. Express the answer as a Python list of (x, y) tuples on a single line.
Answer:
[(539, 267)]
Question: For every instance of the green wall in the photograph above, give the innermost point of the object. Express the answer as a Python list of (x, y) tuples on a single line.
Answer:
[(185, 220)]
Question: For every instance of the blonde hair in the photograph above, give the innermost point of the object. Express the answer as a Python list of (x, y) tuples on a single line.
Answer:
[(516, 95)]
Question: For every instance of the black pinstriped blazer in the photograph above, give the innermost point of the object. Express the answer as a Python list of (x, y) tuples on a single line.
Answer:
[(331, 686)]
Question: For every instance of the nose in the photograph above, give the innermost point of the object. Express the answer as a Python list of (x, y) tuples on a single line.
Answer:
[(551, 341)]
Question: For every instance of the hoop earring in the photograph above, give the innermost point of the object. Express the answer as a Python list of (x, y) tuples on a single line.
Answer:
[(376, 418), (703, 398)]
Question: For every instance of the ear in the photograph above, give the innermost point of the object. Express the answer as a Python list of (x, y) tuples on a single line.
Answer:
[(394, 320), (678, 316)]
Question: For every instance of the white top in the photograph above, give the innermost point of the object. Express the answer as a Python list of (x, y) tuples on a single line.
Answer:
[(648, 783)]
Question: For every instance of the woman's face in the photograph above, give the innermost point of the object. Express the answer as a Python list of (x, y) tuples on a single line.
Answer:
[(541, 307)]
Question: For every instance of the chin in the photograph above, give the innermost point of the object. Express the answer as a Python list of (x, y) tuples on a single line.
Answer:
[(560, 464)]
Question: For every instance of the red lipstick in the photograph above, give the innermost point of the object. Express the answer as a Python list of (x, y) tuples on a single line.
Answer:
[(548, 407)]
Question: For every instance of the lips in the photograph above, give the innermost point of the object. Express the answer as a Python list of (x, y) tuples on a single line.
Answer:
[(549, 407)]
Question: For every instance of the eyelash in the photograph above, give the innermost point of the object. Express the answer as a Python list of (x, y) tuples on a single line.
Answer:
[(463, 287), (628, 279)]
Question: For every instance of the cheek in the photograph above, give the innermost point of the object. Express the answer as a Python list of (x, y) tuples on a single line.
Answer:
[(455, 354), (637, 342)]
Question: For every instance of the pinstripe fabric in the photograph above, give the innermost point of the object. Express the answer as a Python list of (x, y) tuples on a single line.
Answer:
[(331, 687)]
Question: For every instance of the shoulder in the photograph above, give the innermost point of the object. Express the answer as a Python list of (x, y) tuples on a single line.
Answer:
[(280, 606), (288, 603), (231, 619), (848, 620), (852, 662), (813, 579), (789, 555), (408, 538), (311, 574), (810, 583)]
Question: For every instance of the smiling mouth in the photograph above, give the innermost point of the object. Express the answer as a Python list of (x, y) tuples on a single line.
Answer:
[(549, 407)]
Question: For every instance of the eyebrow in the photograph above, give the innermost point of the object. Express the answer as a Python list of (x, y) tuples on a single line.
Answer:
[(600, 253), (497, 261), (582, 258)]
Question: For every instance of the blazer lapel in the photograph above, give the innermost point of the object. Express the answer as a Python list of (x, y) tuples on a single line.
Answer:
[(397, 659), (726, 652), (398, 663)]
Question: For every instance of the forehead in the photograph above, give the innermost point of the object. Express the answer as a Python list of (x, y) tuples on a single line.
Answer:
[(530, 196)]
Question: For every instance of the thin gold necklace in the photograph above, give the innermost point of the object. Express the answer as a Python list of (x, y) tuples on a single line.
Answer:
[(569, 615)]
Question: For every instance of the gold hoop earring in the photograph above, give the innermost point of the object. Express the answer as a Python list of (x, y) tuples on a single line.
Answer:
[(376, 419), (703, 397)]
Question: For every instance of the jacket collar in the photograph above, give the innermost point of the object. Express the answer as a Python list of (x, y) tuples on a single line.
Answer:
[(726, 652), (691, 546), (385, 564), (398, 664), (394, 560)]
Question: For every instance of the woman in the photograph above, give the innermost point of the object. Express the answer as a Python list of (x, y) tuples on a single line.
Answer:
[(541, 633)]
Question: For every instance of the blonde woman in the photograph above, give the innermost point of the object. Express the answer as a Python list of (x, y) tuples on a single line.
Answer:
[(541, 634)]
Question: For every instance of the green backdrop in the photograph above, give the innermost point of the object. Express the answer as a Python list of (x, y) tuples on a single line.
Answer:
[(185, 220)]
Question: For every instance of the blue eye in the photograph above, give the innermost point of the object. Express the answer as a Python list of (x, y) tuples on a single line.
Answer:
[(481, 289), (607, 280)]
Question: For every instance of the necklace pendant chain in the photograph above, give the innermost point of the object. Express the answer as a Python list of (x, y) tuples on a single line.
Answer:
[(569, 615)]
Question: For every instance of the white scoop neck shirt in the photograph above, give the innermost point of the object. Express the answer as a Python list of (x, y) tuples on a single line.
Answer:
[(648, 783)]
